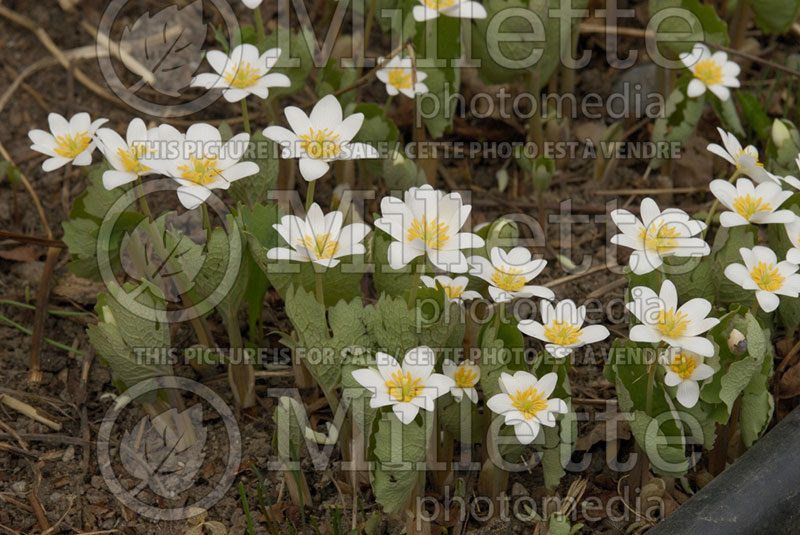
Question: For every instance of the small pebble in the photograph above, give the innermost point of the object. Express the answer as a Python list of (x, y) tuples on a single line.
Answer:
[(69, 454)]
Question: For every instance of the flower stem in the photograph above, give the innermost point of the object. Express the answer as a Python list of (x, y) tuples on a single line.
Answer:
[(651, 378), (320, 290), (259, 23), (245, 118), (310, 194), (206, 221), (418, 267), (498, 314), (388, 105), (142, 200), (714, 206)]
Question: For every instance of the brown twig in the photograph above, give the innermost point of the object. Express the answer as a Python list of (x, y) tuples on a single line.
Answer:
[(38, 511), (29, 411), (574, 276)]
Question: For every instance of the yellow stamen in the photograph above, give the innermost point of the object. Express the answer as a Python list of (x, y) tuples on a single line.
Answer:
[(465, 377), (529, 402), (747, 206), (439, 4), (403, 388), (750, 152), (400, 78), (562, 333), (452, 291), (661, 239), (132, 156), (708, 71), (767, 277), (433, 233), (684, 365), (71, 146), (321, 245), (242, 76), (508, 279), (672, 324), (320, 144), (202, 171)]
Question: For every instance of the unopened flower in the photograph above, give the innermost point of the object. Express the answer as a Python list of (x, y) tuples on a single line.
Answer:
[(454, 288), (663, 321), (657, 235), (751, 204), (466, 9), (243, 73), (745, 159), (199, 162), (407, 388), (319, 238), (508, 274), (465, 376), (130, 157), (320, 138), (562, 328), (427, 222), (525, 403), (763, 273), (711, 71), (252, 4), (685, 370), (68, 141), (398, 75)]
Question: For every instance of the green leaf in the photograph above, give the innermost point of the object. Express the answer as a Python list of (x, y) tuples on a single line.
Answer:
[(255, 189), (679, 121), (775, 16), (728, 116), (725, 251), (401, 173), (460, 417), (502, 350), (757, 404), (741, 372), (295, 60), (393, 282), (378, 131), (756, 118), (690, 23)]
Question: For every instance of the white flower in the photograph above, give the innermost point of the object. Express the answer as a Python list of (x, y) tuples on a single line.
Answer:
[(407, 388), (130, 157), (712, 72), (793, 231), (68, 141), (562, 327), (751, 204), (244, 73), (430, 9), (465, 376), (319, 238), (525, 404), (509, 273), (662, 320), (657, 234), (454, 288), (200, 162), (745, 159), (763, 273), (320, 138), (252, 4), (685, 370), (399, 77), (427, 222)]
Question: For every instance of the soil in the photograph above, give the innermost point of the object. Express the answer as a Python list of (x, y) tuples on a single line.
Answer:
[(59, 471)]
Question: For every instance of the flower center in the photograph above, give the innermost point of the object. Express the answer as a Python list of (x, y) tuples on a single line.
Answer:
[(747, 206), (562, 333), (130, 158), (202, 171), (767, 277), (403, 388), (529, 402), (433, 233), (750, 152), (659, 238), (400, 78), (508, 279), (672, 324), (683, 365), (321, 245), (242, 75), (465, 377), (320, 144), (453, 291), (71, 146), (439, 4), (708, 71)]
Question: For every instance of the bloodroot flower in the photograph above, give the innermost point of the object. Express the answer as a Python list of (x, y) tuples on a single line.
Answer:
[(398, 76), (712, 72), (407, 388), (68, 141), (244, 73), (744, 159), (319, 238), (525, 403), (431, 9), (663, 321), (465, 376), (454, 288), (751, 204), (508, 274), (562, 328), (685, 370), (130, 157), (763, 273)]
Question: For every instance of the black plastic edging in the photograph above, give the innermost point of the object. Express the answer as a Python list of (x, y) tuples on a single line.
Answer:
[(757, 494)]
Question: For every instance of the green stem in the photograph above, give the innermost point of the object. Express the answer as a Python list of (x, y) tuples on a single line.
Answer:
[(206, 221), (498, 314), (651, 379), (245, 118), (320, 289), (142, 199), (53, 343), (388, 104), (310, 194), (418, 267), (259, 23), (714, 206)]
